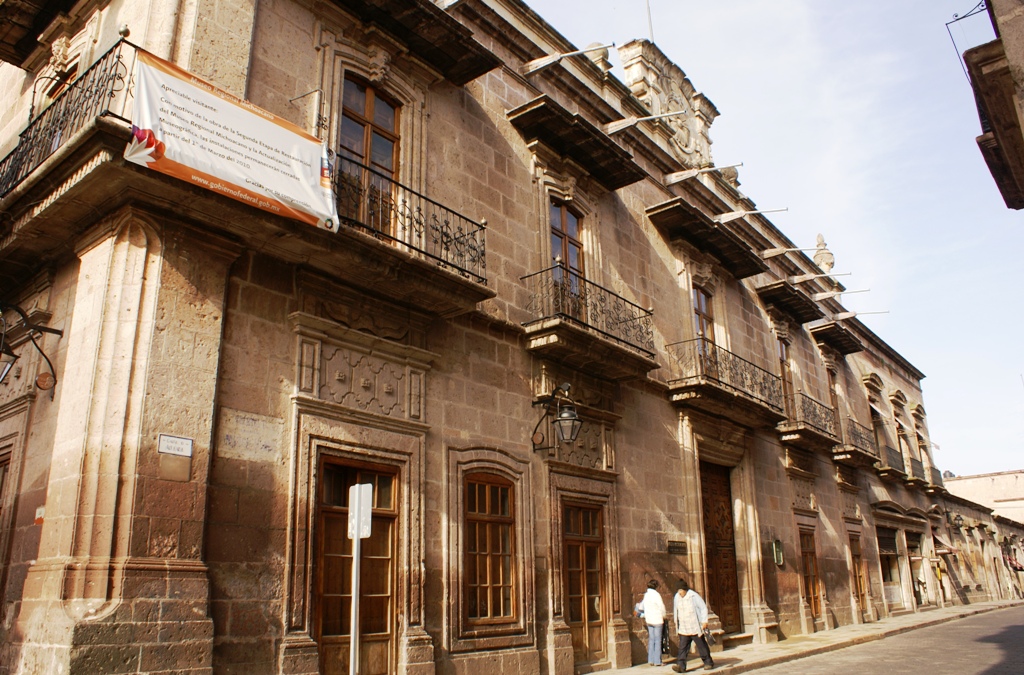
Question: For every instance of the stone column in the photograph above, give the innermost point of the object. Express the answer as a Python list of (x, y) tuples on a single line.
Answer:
[(119, 584)]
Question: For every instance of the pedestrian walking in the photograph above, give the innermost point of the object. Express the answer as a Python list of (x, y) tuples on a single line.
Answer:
[(654, 617), (690, 614)]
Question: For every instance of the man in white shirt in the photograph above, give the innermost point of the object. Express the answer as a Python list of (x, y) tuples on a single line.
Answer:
[(691, 618), (654, 616)]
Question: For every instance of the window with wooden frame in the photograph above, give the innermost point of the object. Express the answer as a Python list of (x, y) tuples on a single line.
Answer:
[(490, 564), (809, 560), (787, 377), (567, 260), (368, 139), (703, 314)]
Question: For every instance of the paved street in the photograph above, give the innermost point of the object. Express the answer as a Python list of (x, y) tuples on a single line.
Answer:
[(987, 644)]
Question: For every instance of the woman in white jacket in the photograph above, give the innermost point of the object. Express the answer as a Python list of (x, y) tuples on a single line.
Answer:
[(654, 616)]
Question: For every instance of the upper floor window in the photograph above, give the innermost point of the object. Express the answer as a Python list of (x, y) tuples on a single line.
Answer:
[(566, 246), (703, 317), (490, 590), (368, 163), (369, 128)]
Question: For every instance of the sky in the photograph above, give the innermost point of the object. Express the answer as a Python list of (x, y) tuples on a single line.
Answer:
[(858, 117)]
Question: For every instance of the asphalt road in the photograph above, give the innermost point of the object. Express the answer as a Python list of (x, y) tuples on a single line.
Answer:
[(987, 644)]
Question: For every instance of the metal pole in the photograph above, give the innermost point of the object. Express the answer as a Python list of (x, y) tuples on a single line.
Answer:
[(353, 659)]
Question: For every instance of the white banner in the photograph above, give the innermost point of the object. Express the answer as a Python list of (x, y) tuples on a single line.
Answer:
[(187, 128)]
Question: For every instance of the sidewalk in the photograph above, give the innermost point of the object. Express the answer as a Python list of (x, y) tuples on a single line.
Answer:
[(751, 657)]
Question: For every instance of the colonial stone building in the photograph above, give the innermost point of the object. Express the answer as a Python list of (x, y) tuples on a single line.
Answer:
[(195, 383)]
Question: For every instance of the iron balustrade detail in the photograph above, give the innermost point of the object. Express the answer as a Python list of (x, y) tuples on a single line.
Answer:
[(560, 292), (373, 202), (702, 359), (102, 90), (893, 459), (916, 469), (861, 437), (805, 410)]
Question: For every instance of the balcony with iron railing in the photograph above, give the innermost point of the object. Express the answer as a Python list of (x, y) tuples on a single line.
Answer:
[(374, 203), (713, 379), (587, 326), (916, 475), (890, 463), (935, 484), (809, 424), (858, 447), (394, 241), (100, 91)]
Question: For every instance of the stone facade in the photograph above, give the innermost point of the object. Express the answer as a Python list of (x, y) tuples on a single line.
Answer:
[(738, 428)]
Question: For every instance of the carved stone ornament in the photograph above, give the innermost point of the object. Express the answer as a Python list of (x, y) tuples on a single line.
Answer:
[(60, 55), (379, 64), (703, 275), (780, 324), (664, 88)]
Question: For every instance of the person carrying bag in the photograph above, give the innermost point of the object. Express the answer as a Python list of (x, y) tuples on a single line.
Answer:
[(654, 617), (690, 614)]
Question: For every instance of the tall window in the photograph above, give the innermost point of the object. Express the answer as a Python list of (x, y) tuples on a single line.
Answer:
[(368, 140), (567, 250), (703, 317), (809, 558), (787, 378), (490, 557)]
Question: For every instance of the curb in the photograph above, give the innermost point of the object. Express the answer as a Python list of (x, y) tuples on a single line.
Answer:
[(858, 640)]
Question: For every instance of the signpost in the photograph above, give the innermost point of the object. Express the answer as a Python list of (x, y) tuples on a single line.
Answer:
[(360, 512)]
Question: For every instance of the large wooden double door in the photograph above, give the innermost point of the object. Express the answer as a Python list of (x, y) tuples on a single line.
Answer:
[(377, 620), (720, 544)]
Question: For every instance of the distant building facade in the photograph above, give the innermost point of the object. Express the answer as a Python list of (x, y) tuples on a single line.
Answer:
[(1003, 492), (176, 470)]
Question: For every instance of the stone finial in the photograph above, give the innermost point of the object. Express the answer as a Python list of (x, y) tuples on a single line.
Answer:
[(599, 57), (823, 258)]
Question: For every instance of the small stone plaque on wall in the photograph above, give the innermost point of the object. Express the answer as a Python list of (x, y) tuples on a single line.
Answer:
[(677, 548), (175, 445)]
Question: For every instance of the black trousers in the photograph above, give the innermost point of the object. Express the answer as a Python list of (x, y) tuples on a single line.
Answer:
[(702, 649)]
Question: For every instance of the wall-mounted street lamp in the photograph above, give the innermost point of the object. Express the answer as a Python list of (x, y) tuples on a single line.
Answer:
[(567, 423), (958, 521), (46, 381)]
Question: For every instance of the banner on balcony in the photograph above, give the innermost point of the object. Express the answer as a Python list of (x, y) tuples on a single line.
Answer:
[(187, 128)]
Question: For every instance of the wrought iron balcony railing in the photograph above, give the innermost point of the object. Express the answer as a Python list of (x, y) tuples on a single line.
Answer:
[(893, 458), (916, 469), (102, 90), (560, 292), (371, 201), (703, 359), (861, 437), (803, 409), (936, 476)]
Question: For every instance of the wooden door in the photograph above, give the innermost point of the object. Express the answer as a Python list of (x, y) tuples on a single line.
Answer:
[(809, 563), (583, 535), (334, 579), (720, 544)]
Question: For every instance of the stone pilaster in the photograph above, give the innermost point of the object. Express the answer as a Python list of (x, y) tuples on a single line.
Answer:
[(119, 584)]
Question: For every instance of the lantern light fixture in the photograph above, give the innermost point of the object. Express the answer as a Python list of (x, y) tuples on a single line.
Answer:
[(566, 421)]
